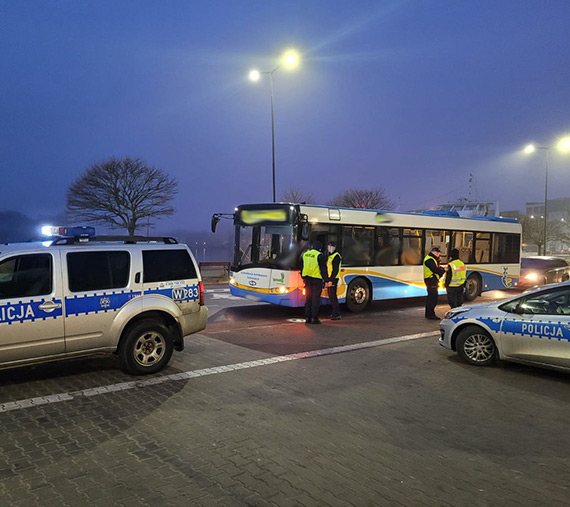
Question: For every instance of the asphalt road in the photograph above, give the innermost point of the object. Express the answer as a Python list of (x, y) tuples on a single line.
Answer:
[(261, 409)]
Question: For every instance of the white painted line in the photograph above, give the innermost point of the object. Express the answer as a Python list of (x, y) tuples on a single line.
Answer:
[(124, 386)]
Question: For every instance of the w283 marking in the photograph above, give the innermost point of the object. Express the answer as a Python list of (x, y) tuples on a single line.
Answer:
[(185, 293)]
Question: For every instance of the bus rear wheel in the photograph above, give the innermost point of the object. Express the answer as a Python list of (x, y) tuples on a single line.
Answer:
[(472, 287), (358, 295)]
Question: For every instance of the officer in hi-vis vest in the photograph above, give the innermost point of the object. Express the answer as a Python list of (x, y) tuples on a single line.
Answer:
[(333, 269), (432, 273), (314, 273), (455, 279)]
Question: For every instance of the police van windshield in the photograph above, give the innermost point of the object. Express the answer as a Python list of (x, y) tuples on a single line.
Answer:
[(271, 246)]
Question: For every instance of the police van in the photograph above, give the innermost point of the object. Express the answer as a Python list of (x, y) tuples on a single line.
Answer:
[(78, 294)]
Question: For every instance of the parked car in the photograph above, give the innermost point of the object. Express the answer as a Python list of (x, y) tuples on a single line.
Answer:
[(80, 295), (540, 270), (532, 328)]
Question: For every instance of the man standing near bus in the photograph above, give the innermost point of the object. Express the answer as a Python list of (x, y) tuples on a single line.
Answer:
[(432, 273), (455, 279), (333, 269), (314, 273)]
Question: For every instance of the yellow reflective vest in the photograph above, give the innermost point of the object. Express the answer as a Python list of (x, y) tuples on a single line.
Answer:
[(458, 273), (428, 273), (311, 264), (330, 264)]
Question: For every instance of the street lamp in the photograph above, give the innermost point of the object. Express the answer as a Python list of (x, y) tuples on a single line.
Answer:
[(289, 60), (564, 146)]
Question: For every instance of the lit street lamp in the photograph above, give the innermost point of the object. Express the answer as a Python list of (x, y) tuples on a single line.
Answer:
[(289, 60), (563, 145)]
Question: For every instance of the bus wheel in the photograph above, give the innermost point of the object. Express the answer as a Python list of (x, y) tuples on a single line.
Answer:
[(358, 295), (472, 287)]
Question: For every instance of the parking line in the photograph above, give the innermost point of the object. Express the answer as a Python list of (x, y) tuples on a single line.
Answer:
[(124, 386)]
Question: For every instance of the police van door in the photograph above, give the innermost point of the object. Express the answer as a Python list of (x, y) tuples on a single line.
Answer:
[(97, 288), (31, 318), (540, 331)]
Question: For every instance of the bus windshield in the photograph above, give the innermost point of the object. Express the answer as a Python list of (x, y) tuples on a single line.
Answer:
[(271, 246)]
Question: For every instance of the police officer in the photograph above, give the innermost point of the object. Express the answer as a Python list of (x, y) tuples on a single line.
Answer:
[(432, 273), (314, 273), (333, 269), (455, 279)]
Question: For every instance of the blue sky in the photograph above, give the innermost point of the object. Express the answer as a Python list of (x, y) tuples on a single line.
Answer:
[(410, 96)]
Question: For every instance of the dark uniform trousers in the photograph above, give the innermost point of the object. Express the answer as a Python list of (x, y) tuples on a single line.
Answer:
[(431, 302), (333, 298), (313, 288), (455, 296)]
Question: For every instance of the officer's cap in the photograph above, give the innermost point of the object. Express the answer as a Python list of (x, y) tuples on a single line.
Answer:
[(332, 243)]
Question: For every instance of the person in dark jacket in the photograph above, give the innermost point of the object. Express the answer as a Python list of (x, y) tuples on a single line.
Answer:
[(432, 273), (333, 267), (314, 273)]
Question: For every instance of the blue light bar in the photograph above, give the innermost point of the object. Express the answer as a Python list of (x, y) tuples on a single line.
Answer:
[(80, 231)]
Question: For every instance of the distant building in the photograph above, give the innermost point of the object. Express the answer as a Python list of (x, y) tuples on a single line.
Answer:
[(512, 214), (558, 211), (557, 208)]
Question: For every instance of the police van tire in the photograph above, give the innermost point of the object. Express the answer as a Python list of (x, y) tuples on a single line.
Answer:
[(358, 295), (145, 348), (473, 287), (475, 346)]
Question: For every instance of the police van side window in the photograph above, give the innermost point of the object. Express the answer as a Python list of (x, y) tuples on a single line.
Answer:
[(98, 270), (165, 265), (26, 276)]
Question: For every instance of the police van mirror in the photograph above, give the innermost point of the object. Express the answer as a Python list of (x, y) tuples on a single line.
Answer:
[(215, 220), (305, 231)]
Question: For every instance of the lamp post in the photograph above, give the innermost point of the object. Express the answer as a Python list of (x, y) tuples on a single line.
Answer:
[(531, 148), (289, 60), (563, 145)]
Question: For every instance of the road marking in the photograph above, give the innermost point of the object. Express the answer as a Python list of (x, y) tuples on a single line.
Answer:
[(224, 296), (124, 386)]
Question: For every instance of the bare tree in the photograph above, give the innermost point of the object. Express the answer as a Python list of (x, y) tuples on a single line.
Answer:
[(120, 193), (533, 231), (374, 198), (296, 195)]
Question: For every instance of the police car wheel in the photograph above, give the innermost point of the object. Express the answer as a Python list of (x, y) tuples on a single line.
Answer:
[(145, 348), (358, 295), (475, 346)]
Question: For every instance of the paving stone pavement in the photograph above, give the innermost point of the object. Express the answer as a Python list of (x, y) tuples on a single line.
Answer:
[(404, 424)]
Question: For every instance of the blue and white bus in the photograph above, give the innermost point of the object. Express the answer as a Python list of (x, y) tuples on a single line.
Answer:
[(382, 251)]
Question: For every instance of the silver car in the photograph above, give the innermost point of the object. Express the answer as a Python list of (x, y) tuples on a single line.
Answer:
[(532, 328)]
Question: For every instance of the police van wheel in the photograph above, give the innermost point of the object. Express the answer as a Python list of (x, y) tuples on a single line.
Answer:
[(358, 295), (472, 287), (145, 348), (475, 346)]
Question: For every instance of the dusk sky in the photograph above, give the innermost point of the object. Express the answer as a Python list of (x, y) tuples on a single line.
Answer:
[(409, 96)]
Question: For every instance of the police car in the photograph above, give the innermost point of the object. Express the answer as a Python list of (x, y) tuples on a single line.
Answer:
[(79, 294), (532, 328)]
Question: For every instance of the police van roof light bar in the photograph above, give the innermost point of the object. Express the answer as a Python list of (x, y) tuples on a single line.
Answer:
[(78, 232)]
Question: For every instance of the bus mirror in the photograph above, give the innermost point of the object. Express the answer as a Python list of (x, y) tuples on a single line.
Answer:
[(305, 231), (215, 220)]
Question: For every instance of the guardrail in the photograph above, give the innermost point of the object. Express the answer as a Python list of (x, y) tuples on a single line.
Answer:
[(215, 271)]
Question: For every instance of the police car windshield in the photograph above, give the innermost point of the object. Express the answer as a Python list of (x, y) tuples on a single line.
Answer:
[(266, 245)]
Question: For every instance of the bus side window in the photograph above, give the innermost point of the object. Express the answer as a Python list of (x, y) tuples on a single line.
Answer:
[(387, 247)]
